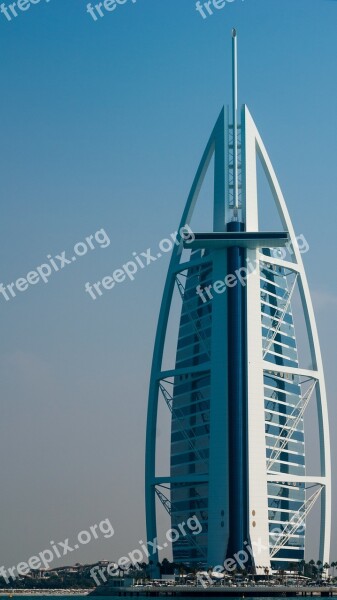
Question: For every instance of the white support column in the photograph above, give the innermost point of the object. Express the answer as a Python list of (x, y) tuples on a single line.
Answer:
[(254, 145), (257, 473)]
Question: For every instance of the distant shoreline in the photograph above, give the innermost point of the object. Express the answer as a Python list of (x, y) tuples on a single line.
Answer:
[(44, 592)]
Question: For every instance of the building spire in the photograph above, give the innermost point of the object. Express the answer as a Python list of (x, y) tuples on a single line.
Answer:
[(235, 120)]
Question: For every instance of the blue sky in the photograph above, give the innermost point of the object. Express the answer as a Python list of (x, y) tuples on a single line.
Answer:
[(102, 126)]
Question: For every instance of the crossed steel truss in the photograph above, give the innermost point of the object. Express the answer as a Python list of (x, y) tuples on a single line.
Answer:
[(291, 424), (278, 318), (297, 520), (169, 507)]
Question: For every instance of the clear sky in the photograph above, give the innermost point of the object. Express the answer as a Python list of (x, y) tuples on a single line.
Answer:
[(102, 126)]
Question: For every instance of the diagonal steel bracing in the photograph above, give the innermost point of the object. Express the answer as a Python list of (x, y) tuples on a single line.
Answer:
[(179, 418), (204, 340), (279, 316), (295, 522), (290, 426), (170, 508)]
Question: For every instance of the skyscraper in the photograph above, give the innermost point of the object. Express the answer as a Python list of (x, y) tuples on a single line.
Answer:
[(237, 393)]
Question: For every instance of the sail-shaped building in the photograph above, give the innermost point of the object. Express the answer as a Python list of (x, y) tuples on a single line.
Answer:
[(237, 392)]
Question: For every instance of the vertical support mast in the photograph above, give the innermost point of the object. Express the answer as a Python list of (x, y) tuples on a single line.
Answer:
[(235, 120), (237, 360)]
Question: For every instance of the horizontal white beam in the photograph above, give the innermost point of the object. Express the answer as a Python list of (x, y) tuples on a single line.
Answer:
[(267, 366), (187, 371), (286, 478), (193, 478), (271, 260), (184, 266)]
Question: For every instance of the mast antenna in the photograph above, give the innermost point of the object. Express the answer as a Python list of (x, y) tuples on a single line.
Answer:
[(235, 120)]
